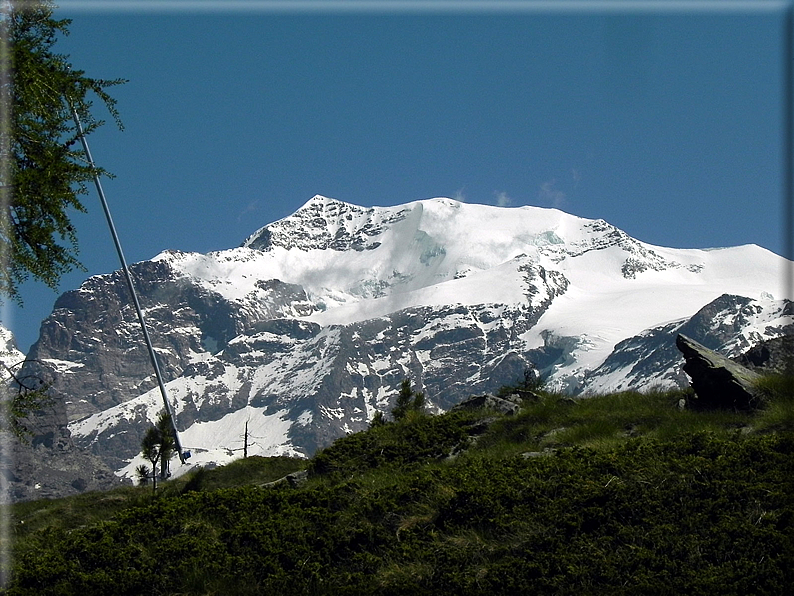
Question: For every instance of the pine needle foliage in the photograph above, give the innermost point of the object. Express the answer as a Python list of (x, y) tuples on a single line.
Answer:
[(408, 401), (44, 167), (158, 447)]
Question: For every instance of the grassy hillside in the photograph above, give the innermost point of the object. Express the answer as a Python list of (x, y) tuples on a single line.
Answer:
[(618, 494)]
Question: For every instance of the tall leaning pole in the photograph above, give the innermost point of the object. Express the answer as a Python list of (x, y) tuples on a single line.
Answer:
[(183, 455), (788, 157)]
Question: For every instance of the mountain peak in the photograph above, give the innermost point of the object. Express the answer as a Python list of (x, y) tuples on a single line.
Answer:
[(319, 203), (325, 223), (308, 329)]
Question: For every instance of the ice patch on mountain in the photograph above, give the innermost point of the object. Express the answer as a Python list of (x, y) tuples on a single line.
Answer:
[(323, 313)]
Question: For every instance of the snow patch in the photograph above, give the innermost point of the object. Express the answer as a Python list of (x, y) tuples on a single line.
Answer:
[(222, 441)]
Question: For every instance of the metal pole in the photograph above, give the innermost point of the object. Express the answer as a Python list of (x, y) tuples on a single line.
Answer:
[(788, 158), (182, 455), (788, 148)]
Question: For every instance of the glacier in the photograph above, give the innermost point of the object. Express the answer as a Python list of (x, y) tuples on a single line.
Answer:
[(307, 328)]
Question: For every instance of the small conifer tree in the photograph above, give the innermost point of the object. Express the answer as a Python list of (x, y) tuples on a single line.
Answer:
[(377, 420), (143, 475), (158, 445), (167, 445), (408, 400)]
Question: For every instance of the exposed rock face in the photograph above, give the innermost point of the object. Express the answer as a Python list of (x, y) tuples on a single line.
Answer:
[(771, 356), (308, 329), (327, 381), (718, 381), (507, 406), (728, 325), (92, 345), (44, 470), (316, 226), (47, 464)]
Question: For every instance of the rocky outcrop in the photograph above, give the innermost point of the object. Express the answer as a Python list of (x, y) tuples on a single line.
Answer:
[(718, 381), (508, 406), (47, 463), (293, 480), (324, 223), (770, 356), (729, 325)]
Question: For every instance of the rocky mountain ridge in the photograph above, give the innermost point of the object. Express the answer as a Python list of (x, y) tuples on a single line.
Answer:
[(307, 329)]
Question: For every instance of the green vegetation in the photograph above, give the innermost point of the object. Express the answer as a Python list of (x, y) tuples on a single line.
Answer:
[(615, 494), (158, 445), (43, 170), (779, 392), (408, 401)]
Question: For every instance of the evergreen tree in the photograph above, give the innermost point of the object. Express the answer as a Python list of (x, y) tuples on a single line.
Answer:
[(44, 169), (150, 451), (143, 474), (167, 444), (158, 446), (408, 400)]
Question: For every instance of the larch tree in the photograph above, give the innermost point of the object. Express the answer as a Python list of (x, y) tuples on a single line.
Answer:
[(44, 168)]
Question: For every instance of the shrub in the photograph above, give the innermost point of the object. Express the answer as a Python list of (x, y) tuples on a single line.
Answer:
[(387, 512)]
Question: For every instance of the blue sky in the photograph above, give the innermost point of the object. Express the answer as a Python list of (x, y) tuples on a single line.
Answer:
[(664, 120)]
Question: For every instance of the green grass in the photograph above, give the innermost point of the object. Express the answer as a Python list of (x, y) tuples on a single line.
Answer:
[(631, 495), (252, 470), (90, 508), (605, 421), (779, 412)]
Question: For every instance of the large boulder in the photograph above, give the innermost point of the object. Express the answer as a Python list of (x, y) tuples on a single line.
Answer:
[(718, 382)]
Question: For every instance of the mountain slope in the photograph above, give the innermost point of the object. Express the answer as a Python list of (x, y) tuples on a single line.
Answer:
[(307, 329), (563, 496), (10, 356)]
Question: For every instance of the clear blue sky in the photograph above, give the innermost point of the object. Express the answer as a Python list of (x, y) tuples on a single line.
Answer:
[(666, 123)]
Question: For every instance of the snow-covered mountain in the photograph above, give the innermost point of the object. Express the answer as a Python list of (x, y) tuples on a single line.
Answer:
[(10, 356), (308, 328)]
